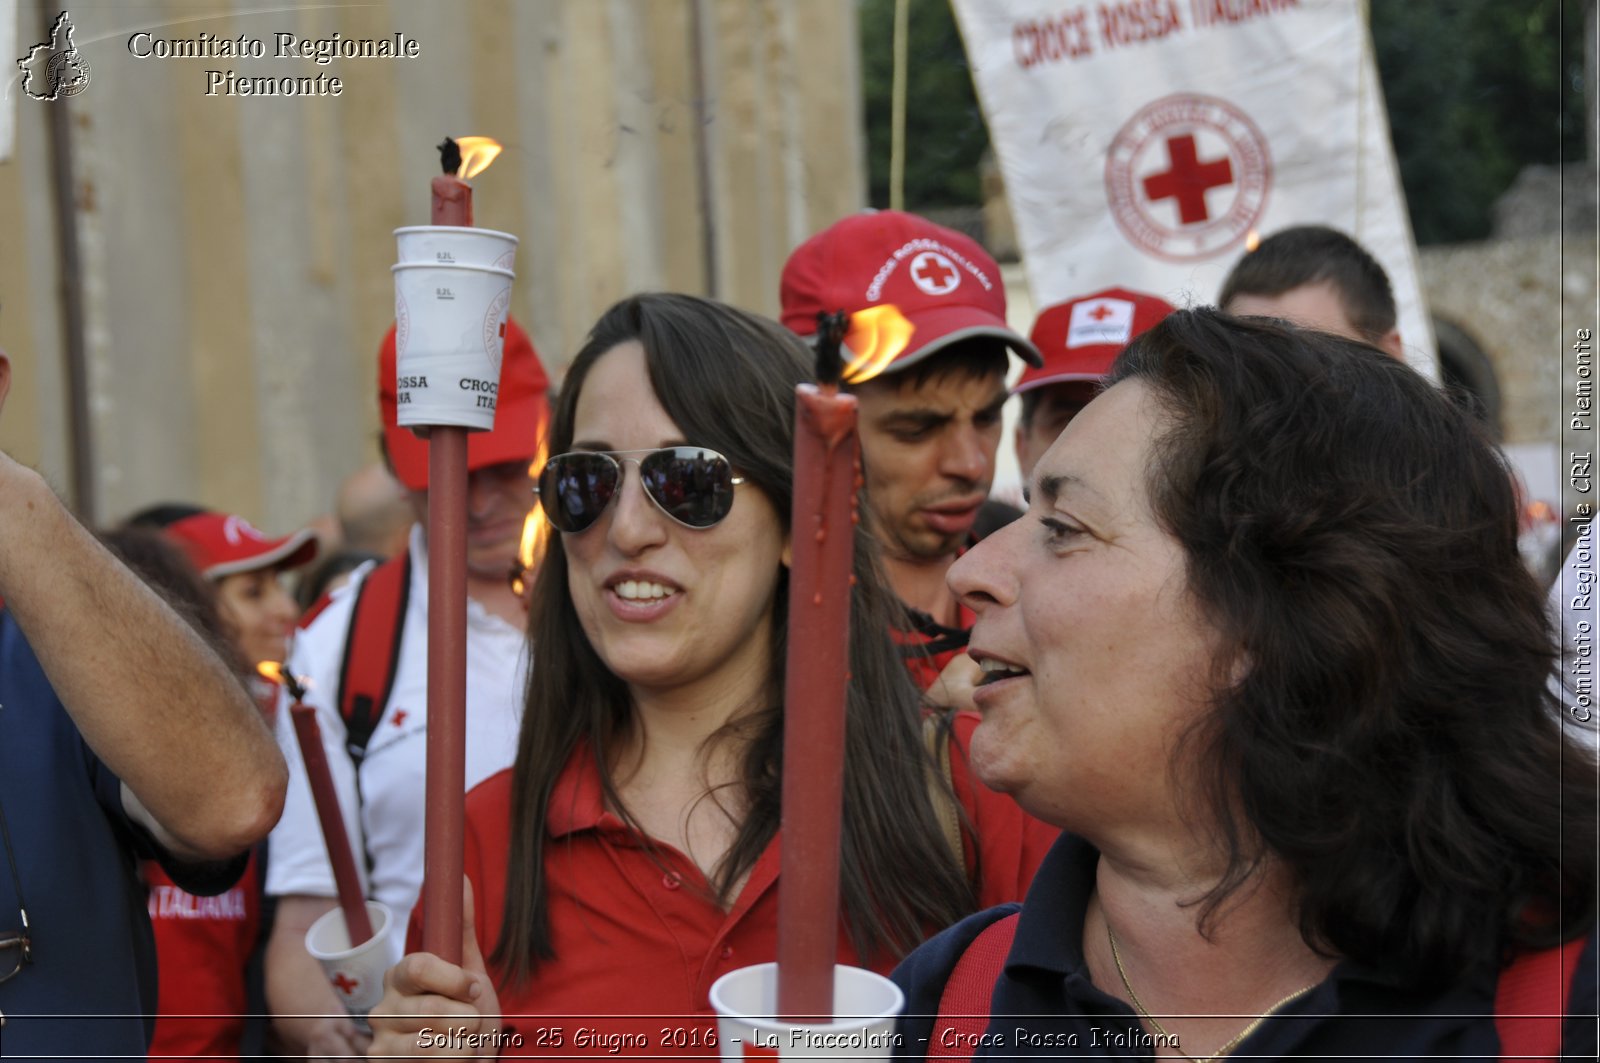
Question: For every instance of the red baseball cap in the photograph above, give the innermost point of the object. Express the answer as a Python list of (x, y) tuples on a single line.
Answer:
[(947, 286), (221, 544), (1081, 337), (519, 417)]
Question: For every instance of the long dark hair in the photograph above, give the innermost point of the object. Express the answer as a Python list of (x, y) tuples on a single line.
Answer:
[(727, 379), (1387, 730)]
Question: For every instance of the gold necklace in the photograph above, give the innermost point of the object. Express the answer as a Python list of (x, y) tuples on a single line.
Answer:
[(1155, 1023)]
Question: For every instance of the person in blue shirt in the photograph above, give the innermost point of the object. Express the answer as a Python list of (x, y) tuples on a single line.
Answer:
[(1264, 646), (122, 736)]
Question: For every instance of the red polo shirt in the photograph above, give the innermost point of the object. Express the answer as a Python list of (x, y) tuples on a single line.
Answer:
[(203, 946), (638, 944)]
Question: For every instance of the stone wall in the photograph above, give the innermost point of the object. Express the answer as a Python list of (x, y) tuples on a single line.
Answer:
[(236, 250), (1522, 303), (1518, 300)]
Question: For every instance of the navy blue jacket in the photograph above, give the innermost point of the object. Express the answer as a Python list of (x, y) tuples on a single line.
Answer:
[(91, 988), (1045, 1004)]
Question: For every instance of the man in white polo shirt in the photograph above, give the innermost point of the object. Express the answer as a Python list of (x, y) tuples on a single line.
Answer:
[(364, 656)]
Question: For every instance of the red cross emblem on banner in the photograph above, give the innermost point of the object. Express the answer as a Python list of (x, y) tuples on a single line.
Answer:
[(1187, 179)]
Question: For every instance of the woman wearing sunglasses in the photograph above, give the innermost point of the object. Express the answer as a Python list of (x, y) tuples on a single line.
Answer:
[(630, 856)]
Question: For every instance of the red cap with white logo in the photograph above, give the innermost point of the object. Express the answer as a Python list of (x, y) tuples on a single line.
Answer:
[(1081, 337), (947, 286), (522, 408), (221, 545)]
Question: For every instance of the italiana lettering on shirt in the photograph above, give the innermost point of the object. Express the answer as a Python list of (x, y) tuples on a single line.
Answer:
[(170, 902)]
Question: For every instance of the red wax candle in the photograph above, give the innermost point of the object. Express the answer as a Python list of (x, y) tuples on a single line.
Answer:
[(452, 201), (826, 457), (444, 819), (323, 795)]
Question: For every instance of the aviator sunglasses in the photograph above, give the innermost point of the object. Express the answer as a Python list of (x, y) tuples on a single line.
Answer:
[(692, 485)]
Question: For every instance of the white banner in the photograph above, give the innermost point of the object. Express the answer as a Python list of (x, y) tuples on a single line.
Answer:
[(1143, 142), (8, 104)]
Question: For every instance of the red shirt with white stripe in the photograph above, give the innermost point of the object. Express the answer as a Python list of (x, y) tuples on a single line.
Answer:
[(638, 939), (202, 947)]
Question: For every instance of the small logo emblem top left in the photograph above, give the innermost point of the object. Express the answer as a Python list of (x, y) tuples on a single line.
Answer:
[(54, 69)]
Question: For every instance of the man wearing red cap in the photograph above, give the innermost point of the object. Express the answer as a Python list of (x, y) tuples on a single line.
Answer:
[(371, 701), (1078, 340), (930, 422)]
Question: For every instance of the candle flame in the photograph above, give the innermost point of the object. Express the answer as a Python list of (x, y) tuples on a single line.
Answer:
[(476, 155), (1538, 512), (535, 527), (1252, 240), (297, 685), (876, 336)]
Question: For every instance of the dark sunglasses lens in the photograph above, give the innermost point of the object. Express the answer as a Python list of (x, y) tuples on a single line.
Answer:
[(575, 488), (693, 486)]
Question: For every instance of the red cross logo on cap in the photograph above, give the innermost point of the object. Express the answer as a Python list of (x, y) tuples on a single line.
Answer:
[(346, 984), (934, 273), (1100, 312), (1187, 179)]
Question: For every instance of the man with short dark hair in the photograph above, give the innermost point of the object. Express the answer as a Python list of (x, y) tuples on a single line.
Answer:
[(1316, 277), (930, 422), (372, 710)]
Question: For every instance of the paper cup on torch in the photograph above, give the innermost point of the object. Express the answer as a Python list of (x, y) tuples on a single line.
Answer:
[(455, 245), (865, 1006), (449, 335), (356, 973)]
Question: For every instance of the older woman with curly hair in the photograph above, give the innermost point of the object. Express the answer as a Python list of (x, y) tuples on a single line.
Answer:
[(1263, 645)]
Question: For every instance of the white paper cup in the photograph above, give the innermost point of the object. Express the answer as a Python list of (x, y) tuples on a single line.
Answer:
[(449, 334), (455, 245), (356, 974), (865, 1006)]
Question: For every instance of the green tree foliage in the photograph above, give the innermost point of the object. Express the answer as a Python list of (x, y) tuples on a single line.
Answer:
[(945, 133), (1476, 90)]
